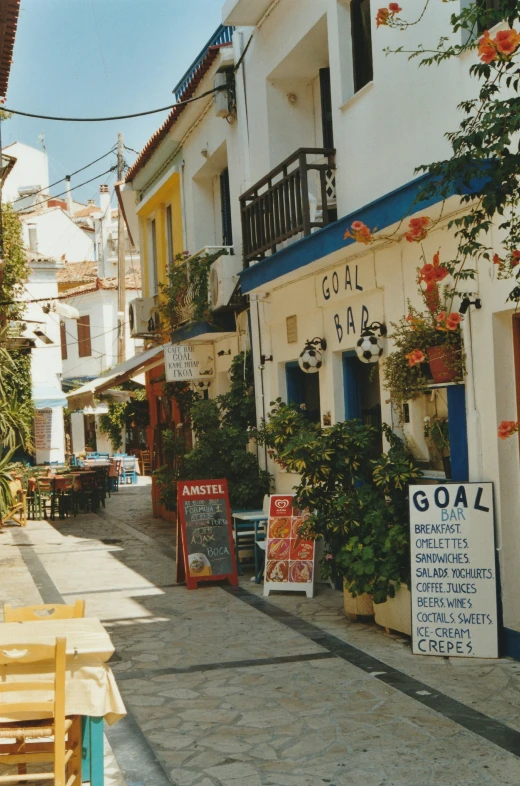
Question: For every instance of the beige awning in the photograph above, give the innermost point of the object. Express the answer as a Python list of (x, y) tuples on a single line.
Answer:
[(144, 361)]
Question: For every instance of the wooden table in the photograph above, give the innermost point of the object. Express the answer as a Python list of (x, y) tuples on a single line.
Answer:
[(90, 688)]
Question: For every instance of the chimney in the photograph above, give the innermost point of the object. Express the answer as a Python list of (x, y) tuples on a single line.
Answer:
[(104, 200), (70, 207)]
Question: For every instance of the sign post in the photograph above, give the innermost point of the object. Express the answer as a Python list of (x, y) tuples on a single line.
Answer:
[(289, 557), (205, 537), (454, 596)]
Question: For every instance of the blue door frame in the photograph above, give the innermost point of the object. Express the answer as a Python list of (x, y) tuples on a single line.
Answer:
[(458, 432)]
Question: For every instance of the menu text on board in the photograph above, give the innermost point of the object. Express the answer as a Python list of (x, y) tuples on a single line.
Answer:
[(454, 604)]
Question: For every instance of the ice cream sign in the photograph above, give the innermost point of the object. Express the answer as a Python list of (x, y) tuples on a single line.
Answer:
[(185, 362)]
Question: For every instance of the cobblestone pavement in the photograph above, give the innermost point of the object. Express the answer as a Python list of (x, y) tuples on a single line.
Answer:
[(224, 688)]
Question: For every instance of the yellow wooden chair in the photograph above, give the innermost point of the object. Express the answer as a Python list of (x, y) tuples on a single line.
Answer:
[(45, 611), (146, 466), (56, 740), (18, 509)]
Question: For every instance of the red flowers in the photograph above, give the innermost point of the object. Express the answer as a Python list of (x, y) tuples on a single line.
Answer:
[(507, 428), (415, 357), (453, 321), (417, 229), (360, 233), (386, 15), (502, 47)]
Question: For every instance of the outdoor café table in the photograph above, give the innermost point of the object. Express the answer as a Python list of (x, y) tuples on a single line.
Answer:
[(90, 688)]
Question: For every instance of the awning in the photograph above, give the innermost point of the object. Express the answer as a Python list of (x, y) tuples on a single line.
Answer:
[(48, 396), (144, 361)]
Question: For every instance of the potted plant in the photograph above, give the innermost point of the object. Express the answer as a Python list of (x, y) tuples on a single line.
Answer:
[(428, 343)]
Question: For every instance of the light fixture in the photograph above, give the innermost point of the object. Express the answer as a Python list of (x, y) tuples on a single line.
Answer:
[(200, 385), (264, 359), (223, 352), (369, 347), (310, 360), (466, 303), (43, 336)]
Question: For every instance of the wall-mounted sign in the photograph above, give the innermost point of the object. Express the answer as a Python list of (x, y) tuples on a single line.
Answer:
[(345, 281), (205, 548), (289, 557), (184, 362), (454, 600)]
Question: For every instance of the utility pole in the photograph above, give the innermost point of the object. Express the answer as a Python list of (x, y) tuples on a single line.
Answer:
[(121, 267)]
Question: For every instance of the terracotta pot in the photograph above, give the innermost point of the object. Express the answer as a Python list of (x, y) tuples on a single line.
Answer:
[(396, 613), (360, 606), (443, 363)]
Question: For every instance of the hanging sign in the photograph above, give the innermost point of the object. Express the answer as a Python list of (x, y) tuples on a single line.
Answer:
[(184, 363), (454, 598), (289, 557), (205, 544)]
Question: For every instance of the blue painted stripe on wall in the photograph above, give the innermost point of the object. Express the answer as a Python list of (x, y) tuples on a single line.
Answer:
[(511, 642), (381, 213)]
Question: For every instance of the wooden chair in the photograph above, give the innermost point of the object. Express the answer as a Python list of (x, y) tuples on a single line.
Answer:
[(146, 465), (17, 512), (45, 611), (56, 740)]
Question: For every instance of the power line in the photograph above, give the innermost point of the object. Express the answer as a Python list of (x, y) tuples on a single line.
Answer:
[(63, 193), (117, 117), (131, 150), (112, 150)]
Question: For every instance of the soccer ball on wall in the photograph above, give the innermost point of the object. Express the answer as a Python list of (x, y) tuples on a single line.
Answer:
[(200, 385), (311, 360), (369, 348)]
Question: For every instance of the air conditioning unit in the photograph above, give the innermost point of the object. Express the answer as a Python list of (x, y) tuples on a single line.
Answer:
[(144, 317), (223, 280)]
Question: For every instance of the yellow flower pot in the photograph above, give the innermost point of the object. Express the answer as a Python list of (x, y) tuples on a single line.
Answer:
[(396, 613), (359, 606)]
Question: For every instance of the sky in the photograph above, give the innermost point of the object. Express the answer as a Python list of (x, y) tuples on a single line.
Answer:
[(96, 58)]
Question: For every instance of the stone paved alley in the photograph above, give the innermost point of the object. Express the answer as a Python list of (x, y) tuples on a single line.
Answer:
[(225, 688)]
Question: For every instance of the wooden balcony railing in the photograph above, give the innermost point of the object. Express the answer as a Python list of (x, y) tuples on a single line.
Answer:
[(295, 198)]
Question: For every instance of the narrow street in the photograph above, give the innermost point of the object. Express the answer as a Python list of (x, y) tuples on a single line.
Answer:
[(223, 687)]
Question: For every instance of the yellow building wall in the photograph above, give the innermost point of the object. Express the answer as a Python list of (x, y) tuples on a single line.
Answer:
[(155, 208)]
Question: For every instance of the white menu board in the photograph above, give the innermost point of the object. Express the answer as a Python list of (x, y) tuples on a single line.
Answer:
[(454, 599), (43, 429), (184, 362)]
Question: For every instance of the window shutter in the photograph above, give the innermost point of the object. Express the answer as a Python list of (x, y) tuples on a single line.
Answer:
[(84, 347), (326, 109), (63, 337), (225, 200)]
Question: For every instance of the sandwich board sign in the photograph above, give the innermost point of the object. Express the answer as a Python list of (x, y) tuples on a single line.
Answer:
[(454, 594), (205, 547), (289, 557)]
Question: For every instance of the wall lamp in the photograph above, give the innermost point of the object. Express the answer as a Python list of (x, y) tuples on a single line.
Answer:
[(223, 352), (370, 346), (264, 359), (311, 359), (466, 303)]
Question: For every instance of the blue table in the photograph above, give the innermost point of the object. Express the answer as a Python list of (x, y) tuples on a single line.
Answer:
[(248, 527)]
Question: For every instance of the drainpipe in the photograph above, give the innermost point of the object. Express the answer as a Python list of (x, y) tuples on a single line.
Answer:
[(473, 415)]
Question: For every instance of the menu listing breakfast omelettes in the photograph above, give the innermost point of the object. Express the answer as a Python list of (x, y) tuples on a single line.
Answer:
[(289, 556)]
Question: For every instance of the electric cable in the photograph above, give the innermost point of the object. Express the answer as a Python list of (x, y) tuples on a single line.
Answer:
[(73, 188), (131, 150), (113, 150), (116, 117)]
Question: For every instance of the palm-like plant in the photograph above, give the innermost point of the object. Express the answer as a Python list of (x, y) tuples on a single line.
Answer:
[(15, 414), (6, 497)]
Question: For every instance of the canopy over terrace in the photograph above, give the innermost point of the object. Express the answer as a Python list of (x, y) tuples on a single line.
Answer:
[(144, 361)]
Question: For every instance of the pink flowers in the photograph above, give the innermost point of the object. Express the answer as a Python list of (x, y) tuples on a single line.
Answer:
[(418, 229), (447, 321), (360, 233), (502, 47), (415, 357), (507, 428)]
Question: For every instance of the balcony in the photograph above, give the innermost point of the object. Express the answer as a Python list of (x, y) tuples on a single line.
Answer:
[(222, 35), (296, 198)]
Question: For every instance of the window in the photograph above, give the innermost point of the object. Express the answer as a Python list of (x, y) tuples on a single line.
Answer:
[(225, 201), (84, 348), (63, 337), (33, 237), (492, 16), (304, 390), (361, 43), (154, 283), (169, 236)]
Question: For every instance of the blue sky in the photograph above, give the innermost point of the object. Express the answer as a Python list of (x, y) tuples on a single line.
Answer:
[(95, 58)]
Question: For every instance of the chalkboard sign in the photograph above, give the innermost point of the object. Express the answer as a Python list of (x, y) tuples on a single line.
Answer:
[(205, 533), (454, 592)]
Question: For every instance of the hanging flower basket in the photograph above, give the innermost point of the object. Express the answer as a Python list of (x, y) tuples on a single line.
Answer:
[(444, 363)]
